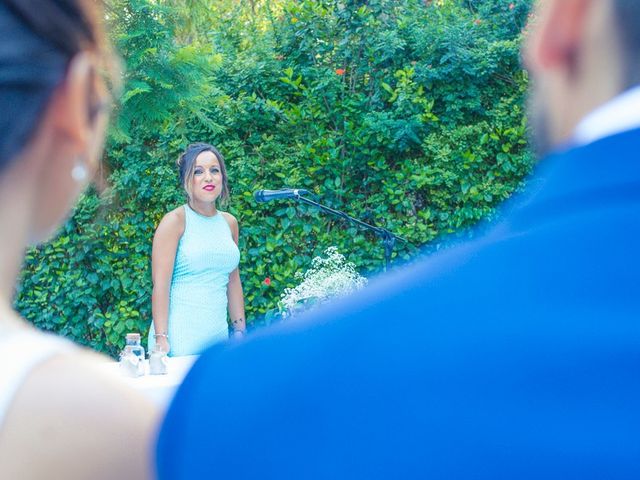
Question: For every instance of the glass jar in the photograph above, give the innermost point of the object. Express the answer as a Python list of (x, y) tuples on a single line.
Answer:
[(132, 356), (158, 362)]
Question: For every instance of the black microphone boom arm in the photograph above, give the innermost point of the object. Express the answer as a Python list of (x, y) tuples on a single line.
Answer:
[(388, 238)]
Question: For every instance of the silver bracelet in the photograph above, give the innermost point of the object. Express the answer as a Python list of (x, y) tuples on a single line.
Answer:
[(156, 335)]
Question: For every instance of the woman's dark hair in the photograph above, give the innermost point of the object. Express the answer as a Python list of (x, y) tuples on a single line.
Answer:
[(186, 166), (38, 38)]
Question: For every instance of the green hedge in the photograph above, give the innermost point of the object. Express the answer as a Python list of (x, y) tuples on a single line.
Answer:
[(406, 114)]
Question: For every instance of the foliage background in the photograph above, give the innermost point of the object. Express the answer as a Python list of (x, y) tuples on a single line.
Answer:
[(405, 113)]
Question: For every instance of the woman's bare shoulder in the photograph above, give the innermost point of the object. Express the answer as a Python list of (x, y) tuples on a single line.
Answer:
[(95, 423), (172, 223), (233, 224), (231, 220)]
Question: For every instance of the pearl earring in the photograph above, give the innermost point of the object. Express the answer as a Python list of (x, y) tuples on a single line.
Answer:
[(79, 170)]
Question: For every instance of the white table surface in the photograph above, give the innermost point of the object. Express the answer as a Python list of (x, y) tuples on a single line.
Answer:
[(159, 388)]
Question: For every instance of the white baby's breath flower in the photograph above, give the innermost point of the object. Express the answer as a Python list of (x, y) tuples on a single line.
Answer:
[(328, 277)]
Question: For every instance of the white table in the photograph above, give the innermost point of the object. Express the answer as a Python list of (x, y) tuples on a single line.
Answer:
[(159, 388)]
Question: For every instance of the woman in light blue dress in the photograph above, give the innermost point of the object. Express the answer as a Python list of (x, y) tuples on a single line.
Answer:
[(196, 283)]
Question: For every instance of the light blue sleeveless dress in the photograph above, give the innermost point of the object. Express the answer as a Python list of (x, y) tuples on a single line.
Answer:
[(205, 257)]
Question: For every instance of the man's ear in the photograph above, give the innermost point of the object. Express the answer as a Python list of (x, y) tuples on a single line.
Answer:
[(70, 106), (560, 34)]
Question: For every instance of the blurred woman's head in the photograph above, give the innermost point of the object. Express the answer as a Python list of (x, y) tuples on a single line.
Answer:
[(191, 172), (52, 53)]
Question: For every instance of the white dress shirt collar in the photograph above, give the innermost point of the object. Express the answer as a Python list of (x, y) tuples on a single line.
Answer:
[(616, 116)]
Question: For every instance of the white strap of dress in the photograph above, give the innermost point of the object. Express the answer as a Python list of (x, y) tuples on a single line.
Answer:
[(20, 353)]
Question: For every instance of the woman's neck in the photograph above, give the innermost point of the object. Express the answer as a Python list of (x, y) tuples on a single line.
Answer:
[(10, 321), (203, 208), (15, 218)]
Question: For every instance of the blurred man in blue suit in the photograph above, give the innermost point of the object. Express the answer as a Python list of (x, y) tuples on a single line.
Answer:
[(516, 355)]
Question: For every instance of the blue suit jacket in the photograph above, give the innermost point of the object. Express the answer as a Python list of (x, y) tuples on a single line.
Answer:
[(513, 356)]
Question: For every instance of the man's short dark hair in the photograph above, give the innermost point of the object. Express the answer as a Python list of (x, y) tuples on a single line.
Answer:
[(627, 13)]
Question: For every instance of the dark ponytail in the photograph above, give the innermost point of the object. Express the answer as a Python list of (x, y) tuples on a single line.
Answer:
[(38, 38)]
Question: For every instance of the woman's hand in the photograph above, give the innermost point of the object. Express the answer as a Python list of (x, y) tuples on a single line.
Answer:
[(238, 333), (162, 343)]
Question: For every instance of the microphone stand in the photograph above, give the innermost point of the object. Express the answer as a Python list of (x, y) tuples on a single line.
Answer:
[(388, 239)]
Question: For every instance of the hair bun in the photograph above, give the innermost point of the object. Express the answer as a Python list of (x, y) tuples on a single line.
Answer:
[(37, 39)]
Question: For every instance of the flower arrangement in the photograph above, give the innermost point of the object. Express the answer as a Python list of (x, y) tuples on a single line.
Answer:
[(328, 277)]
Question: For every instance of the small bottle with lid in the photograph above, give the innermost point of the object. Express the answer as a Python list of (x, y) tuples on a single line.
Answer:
[(132, 356), (158, 362)]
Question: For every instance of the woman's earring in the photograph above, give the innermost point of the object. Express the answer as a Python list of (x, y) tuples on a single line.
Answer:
[(79, 170)]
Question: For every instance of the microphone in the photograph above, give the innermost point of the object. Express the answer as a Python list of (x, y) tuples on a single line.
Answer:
[(262, 196)]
